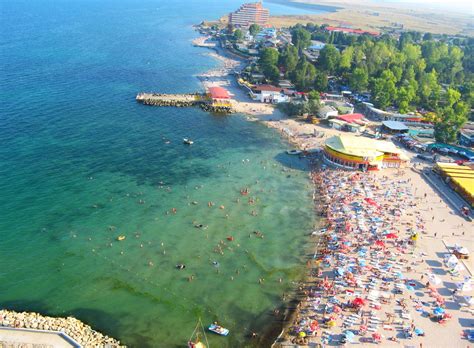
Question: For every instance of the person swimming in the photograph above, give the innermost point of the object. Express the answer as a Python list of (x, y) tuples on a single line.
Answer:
[(180, 266)]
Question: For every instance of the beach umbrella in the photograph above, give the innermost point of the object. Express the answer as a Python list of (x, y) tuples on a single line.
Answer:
[(380, 243), (438, 310), (399, 275), (433, 279), (376, 336), (337, 309), (419, 331), (358, 301), (349, 335), (411, 288), (391, 236), (302, 334)]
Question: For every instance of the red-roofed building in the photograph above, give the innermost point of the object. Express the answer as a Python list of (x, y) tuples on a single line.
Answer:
[(351, 31), (269, 94), (218, 93), (351, 118), (219, 97)]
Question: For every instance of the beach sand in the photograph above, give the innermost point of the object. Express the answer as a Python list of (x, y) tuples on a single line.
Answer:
[(438, 224), (438, 227)]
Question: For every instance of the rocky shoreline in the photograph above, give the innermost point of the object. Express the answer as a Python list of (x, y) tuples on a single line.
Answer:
[(74, 328)]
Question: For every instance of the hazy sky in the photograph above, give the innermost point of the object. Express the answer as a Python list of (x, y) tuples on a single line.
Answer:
[(458, 5)]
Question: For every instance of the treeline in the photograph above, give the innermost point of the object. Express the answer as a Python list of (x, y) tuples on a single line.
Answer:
[(412, 72)]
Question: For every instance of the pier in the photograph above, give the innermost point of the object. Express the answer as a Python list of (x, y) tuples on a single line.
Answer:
[(202, 100)]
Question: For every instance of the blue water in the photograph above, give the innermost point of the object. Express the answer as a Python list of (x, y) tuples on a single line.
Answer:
[(82, 163)]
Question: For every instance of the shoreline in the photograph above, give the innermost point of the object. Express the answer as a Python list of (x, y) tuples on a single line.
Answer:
[(270, 116), (419, 209)]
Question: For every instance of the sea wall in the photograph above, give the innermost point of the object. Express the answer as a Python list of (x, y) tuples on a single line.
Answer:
[(182, 100), (74, 328)]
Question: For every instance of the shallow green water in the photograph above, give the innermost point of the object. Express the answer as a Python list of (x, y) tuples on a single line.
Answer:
[(79, 156)]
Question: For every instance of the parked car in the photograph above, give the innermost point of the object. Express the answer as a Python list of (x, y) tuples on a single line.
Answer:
[(425, 157)]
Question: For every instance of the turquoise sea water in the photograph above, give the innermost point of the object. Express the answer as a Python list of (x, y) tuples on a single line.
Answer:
[(81, 163)]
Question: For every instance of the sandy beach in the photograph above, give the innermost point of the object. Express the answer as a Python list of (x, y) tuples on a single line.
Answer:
[(402, 282), (368, 254)]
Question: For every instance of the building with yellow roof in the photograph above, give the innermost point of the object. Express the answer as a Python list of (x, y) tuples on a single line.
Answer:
[(460, 178), (363, 153)]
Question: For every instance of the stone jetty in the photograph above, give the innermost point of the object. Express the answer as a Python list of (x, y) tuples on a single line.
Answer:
[(184, 100), (78, 331)]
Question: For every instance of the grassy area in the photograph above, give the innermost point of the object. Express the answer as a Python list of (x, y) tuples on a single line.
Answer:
[(363, 15)]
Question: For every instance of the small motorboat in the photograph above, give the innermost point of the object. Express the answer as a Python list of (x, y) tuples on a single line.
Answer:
[(120, 238), (293, 152), (218, 329), (188, 141), (319, 233)]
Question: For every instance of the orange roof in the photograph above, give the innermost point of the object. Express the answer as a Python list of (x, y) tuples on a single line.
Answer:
[(218, 93), (350, 118)]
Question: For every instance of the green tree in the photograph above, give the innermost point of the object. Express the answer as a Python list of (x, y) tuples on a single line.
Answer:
[(346, 58), (301, 38), (450, 120), (313, 95), (313, 106), (329, 58), (384, 90), (268, 62), (304, 74), (268, 56), (272, 73), (254, 29), (320, 81), (359, 80), (238, 35), (289, 58), (429, 89)]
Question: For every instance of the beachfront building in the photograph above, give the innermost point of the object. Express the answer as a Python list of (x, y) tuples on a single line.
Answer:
[(394, 127), (248, 14), (460, 178), (327, 111), (268, 94), (351, 152), (355, 123), (351, 31), (219, 97)]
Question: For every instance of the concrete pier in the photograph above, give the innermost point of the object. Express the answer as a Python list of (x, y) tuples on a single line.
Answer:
[(184, 100)]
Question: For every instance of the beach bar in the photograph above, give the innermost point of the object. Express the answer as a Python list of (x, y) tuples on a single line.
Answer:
[(361, 153), (460, 178)]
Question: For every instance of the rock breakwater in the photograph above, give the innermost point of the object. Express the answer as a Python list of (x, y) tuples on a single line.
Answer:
[(74, 328)]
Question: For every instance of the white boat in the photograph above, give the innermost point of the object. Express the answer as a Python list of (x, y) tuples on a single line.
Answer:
[(188, 141), (293, 152), (319, 233), (218, 329)]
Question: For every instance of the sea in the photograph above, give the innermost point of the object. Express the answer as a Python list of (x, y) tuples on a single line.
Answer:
[(81, 163)]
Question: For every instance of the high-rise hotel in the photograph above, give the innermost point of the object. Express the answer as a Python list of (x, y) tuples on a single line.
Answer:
[(248, 14)]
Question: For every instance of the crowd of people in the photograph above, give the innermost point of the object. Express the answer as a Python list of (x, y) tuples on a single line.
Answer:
[(369, 279)]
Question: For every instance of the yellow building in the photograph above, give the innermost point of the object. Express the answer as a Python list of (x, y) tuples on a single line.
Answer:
[(362, 153), (460, 178)]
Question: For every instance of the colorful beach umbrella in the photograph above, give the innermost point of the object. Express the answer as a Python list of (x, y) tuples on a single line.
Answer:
[(391, 236), (358, 301), (438, 310)]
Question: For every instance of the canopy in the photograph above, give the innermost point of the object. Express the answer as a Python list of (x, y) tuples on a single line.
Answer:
[(358, 301), (349, 335), (433, 279), (218, 93), (379, 243)]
